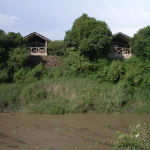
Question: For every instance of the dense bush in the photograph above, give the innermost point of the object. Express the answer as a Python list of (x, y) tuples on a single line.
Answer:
[(140, 43), (56, 48), (91, 37)]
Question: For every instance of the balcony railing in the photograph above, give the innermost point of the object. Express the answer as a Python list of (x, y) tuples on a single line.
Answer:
[(38, 51), (121, 50)]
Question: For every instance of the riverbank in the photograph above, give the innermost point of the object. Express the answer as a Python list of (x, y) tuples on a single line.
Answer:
[(77, 95)]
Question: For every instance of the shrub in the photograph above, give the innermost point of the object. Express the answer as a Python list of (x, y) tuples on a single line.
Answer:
[(76, 65), (56, 48), (111, 73), (19, 76), (136, 139), (35, 74), (56, 72)]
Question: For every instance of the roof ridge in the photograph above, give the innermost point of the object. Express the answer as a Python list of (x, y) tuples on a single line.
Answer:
[(39, 35), (121, 34)]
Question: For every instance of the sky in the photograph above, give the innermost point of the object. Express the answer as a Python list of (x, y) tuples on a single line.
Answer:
[(52, 18)]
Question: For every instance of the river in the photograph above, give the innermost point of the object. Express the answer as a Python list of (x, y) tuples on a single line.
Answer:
[(62, 132)]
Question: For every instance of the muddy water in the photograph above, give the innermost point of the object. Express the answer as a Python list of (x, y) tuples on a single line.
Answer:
[(69, 131)]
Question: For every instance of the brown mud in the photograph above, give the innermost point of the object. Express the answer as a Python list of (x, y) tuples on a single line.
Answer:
[(63, 132)]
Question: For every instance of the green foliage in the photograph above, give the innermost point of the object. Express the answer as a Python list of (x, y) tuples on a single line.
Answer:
[(136, 139), (20, 75), (73, 95), (4, 76), (17, 59), (56, 48), (56, 72), (140, 43), (76, 65), (35, 74), (137, 72), (2, 33), (92, 38), (28, 75), (50, 107), (33, 94), (9, 94), (2, 58), (111, 73), (13, 54), (12, 40)]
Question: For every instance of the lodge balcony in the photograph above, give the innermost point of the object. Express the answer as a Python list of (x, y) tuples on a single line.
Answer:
[(38, 51), (121, 50)]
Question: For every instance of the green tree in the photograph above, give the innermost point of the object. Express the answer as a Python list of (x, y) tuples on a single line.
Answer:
[(12, 40), (91, 37), (13, 54), (140, 43)]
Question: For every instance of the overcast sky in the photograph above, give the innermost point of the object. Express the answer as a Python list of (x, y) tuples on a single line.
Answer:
[(52, 18)]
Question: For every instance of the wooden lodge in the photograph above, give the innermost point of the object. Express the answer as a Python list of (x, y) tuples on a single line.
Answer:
[(37, 44), (121, 48)]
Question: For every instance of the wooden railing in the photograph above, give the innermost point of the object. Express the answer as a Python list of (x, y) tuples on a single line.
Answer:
[(121, 50), (37, 50)]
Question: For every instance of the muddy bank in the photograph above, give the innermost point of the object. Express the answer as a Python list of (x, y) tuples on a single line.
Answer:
[(69, 131)]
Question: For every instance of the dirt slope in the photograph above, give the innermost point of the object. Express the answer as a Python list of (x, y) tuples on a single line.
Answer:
[(50, 61)]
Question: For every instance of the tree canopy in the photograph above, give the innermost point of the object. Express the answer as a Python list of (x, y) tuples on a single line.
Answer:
[(13, 54), (91, 37), (140, 43)]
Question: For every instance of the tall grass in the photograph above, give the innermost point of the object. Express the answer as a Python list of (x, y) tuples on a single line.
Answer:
[(77, 95)]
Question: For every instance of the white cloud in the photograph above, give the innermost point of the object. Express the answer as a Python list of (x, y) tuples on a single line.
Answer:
[(8, 22), (53, 35)]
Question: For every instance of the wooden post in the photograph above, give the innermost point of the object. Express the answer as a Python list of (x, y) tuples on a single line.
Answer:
[(45, 46)]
